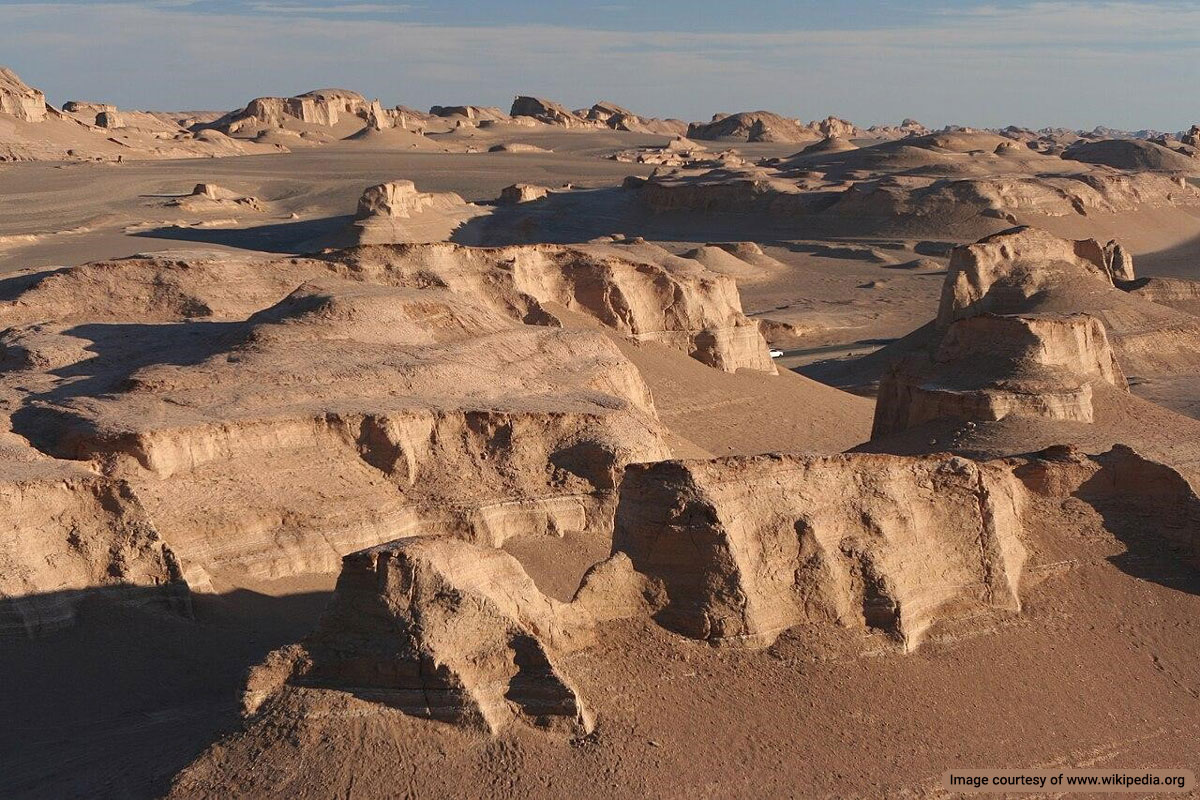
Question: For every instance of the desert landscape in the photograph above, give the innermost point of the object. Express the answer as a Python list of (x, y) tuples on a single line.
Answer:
[(366, 451)]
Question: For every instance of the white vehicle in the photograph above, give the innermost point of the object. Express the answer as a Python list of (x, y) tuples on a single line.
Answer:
[(776, 353)]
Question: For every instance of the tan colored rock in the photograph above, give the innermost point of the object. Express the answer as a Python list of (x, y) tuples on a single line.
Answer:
[(521, 193), (69, 534), (546, 111), (397, 212), (1018, 263), (747, 547), (678, 303), (442, 629), (21, 101), (110, 119), (988, 367), (835, 127), (753, 126)]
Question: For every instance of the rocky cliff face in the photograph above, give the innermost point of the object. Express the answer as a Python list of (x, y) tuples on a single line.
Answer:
[(681, 305), (21, 101), (749, 547), (69, 534), (441, 629), (989, 367)]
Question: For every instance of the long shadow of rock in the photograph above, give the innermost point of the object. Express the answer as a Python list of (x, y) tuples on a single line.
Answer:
[(15, 285), (117, 704), (121, 349), (583, 214), (301, 236), (1153, 510)]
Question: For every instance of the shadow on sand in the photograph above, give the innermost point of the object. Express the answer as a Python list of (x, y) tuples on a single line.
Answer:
[(300, 236), (121, 349), (117, 704)]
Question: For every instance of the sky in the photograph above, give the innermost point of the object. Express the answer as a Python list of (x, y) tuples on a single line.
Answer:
[(1132, 64)]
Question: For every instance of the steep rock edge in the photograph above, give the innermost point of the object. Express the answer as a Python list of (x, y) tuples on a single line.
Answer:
[(70, 535), (747, 547), (988, 367)]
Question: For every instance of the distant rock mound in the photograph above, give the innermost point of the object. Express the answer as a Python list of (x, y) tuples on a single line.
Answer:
[(322, 108), (473, 113), (836, 127), (1131, 154), (752, 126), (747, 547), (547, 111), (618, 118), (20, 100), (830, 144), (397, 212), (521, 193)]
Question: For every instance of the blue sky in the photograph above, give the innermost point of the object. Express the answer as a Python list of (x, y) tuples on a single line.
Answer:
[(1125, 64)]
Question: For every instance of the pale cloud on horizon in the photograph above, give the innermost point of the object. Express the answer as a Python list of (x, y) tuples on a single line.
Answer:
[(1122, 64)]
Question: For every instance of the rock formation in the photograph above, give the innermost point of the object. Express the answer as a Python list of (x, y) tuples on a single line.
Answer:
[(442, 629), (546, 111), (988, 367), (753, 126), (23, 102), (521, 193), (397, 212), (682, 305), (747, 547), (69, 534), (1132, 154), (323, 108), (1000, 272)]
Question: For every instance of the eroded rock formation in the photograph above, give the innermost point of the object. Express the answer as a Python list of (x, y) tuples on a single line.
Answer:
[(21, 101), (397, 212), (988, 367), (748, 547), (69, 534), (442, 629), (1001, 272)]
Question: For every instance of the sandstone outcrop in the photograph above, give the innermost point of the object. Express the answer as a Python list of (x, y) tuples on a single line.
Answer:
[(69, 534), (19, 100), (546, 111), (521, 193), (432, 412), (473, 113), (397, 212), (682, 305), (1002, 271), (320, 108), (753, 126), (747, 547), (442, 629), (988, 367)]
